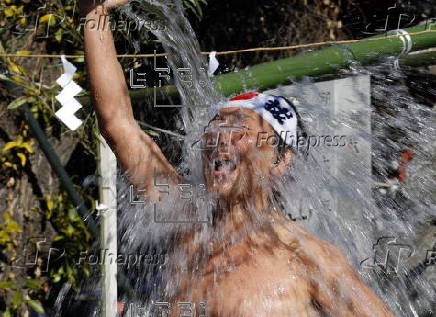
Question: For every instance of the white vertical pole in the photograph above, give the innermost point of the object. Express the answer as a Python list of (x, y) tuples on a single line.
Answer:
[(108, 228)]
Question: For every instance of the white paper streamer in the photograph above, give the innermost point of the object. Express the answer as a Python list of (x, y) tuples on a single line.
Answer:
[(407, 45), (213, 63), (66, 97), (407, 41)]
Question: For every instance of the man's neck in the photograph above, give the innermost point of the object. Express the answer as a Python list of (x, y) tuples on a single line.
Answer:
[(244, 214)]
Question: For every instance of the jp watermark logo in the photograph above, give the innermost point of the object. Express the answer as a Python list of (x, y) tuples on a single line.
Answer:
[(389, 255), (188, 193), (128, 260), (163, 309), (36, 253), (105, 22), (184, 75)]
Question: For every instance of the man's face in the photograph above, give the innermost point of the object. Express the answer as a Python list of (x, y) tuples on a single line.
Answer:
[(234, 162)]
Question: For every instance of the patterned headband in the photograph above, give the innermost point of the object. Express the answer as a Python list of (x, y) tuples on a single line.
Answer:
[(276, 110)]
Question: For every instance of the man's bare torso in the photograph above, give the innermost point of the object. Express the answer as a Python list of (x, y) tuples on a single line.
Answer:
[(278, 272)]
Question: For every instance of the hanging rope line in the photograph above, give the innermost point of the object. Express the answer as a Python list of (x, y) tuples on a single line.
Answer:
[(256, 49)]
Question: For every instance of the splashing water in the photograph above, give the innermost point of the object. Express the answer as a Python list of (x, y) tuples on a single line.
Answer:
[(355, 210)]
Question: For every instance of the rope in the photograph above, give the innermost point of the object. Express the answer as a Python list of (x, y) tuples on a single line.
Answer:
[(256, 49)]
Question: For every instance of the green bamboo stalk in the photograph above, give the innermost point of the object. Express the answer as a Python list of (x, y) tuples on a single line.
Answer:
[(325, 61), (426, 58)]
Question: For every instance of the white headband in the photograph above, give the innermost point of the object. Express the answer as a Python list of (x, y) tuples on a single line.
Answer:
[(274, 109)]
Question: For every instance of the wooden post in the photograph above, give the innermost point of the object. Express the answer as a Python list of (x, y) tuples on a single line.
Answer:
[(108, 227)]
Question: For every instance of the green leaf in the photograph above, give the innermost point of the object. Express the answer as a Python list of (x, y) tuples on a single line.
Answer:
[(70, 273), (20, 101), (195, 7), (72, 214), (17, 298), (70, 229), (13, 227), (9, 12), (36, 306), (33, 284), (7, 284), (56, 278), (189, 6)]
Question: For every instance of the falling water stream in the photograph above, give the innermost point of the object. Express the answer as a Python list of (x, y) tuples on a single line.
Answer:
[(386, 209)]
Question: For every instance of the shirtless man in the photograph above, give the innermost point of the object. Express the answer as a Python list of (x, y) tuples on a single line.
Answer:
[(275, 268)]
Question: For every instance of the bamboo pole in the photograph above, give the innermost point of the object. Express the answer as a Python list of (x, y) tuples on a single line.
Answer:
[(423, 58), (325, 61), (59, 169)]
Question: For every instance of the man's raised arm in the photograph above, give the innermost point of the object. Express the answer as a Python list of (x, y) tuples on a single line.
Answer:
[(136, 152)]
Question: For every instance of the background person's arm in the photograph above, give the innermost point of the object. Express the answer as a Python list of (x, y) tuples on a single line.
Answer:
[(136, 152)]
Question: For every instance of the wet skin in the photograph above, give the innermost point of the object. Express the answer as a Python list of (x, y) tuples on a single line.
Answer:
[(275, 267), (236, 164), (278, 271)]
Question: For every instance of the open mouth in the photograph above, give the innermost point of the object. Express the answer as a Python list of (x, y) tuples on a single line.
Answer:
[(223, 166)]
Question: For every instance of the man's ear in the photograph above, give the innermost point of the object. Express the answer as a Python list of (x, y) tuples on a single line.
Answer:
[(280, 168)]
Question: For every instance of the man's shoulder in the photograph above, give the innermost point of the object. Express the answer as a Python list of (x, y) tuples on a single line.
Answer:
[(292, 233), (312, 251)]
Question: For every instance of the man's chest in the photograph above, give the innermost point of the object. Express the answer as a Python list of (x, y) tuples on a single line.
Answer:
[(256, 283)]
